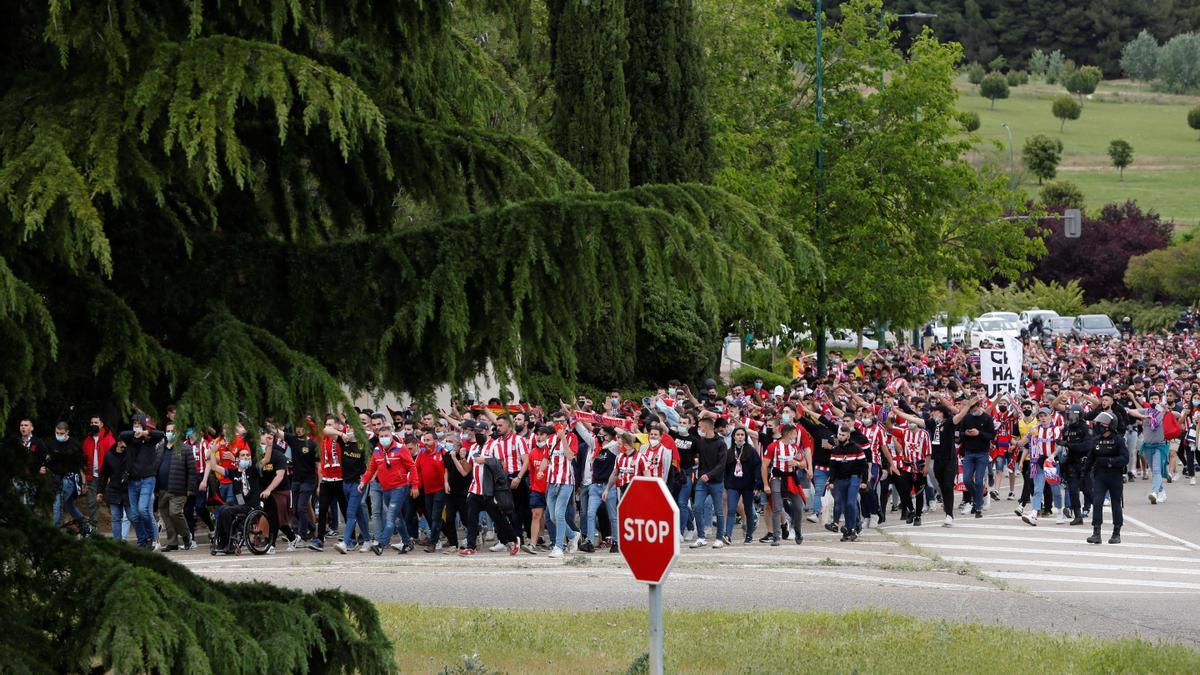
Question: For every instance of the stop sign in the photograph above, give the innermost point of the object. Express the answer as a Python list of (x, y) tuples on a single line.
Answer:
[(648, 527)]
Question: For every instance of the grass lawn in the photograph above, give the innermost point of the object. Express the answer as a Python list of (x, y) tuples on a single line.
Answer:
[(430, 639), (1165, 174)]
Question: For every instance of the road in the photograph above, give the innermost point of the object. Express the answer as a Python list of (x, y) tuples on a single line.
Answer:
[(993, 570)]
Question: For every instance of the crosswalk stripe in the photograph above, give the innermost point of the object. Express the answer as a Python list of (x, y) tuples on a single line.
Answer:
[(1072, 553), (1073, 565), (1164, 535), (1095, 581), (1021, 528), (1028, 540)]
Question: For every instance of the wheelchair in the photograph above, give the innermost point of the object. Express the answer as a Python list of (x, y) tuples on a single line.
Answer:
[(250, 530)]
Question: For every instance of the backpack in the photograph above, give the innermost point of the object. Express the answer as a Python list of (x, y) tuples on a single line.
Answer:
[(1171, 427), (503, 493)]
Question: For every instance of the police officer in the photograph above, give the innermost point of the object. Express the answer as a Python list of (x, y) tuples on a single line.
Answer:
[(1107, 459), (1075, 442)]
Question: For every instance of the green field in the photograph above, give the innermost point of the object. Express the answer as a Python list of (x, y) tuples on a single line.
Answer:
[(435, 640), (1165, 174)]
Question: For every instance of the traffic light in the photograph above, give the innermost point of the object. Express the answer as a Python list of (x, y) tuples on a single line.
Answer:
[(1072, 223)]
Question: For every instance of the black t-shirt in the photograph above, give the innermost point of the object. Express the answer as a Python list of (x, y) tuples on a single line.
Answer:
[(247, 486), (458, 482), (277, 463), (304, 459)]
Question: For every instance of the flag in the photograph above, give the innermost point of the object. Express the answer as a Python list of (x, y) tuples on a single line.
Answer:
[(797, 367), (859, 371)]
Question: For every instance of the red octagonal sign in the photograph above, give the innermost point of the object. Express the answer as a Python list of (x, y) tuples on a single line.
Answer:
[(649, 529)]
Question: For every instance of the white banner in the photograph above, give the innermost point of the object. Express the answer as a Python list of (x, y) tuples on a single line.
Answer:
[(1000, 371)]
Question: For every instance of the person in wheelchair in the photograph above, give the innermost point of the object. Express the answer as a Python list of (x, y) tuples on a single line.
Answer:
[(247, 496)]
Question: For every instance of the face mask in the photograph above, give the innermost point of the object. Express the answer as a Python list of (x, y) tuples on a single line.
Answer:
[(975, 413), (1196, 401), (1002, 408), (681, 430), (1027, 411), (440, 434), (137, 430), (787, 418), (758, 385), (170, 436), (60, 437), (654, 442), (671, 392), (385, 441), (720, 409), (542, 444), (616, 402), (244, 464), (94, 429), (464, 437)]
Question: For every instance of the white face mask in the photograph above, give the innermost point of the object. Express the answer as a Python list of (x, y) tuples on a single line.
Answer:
[(385, 441), (654, 442), (542, 444)]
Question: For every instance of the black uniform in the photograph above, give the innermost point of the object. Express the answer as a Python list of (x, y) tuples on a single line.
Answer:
[(1107, 459), (1077, 442)]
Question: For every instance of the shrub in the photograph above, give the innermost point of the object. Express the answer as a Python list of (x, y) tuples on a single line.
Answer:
[(1066, 300), (1041, 154), (1193, 118), (1179, 62), (1038, 62), (1054, 67), (997, 64), (1147, 317), (1139, 58), (993, 86), (1083, 82), (970, 120), (1062, 194), (745, 376), (975, 73), (1065, 108)]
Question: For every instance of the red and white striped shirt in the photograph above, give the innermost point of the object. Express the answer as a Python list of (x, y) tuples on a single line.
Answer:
[(877, 438), (331, 458), (629, 465), (1042, 439), (780, 453), (485, 451), (511, 450), (914, 446), (653, 459), (560, 470)]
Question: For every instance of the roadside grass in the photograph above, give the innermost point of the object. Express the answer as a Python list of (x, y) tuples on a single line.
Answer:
[(443, 639), (1165, 173)]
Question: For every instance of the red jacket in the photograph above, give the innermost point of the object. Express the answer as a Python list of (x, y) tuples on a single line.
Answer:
[(395, 468), (91, 448), (432, 470)]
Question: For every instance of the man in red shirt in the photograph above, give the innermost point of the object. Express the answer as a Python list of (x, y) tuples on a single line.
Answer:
[(398, 480), (330, 494), (97, 444), (431, 475)]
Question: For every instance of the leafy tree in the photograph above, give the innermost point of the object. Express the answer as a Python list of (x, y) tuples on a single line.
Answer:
[(1172, 273), (1066, 299), (664, 82), (1193, 118), (1139, 58), (970, 120), (1055, 63), (1121, 154), (997, 64), (1038, 63), (975, 73), (1099, 258), (1082, 82), (1065, 108), (1061, 193), (1013, 77), (1041, 155), (993, 86), (1179, 63)]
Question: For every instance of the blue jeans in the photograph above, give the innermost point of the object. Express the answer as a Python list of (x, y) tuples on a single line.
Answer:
[(355, 513), (376, 509), (594, 492), (747, 497), (1039, 486), (705, 492), (558, 496), (820, 480), (684, 499), (845, 495), (394, 501), (226, 492), (65, 499), (141, 510), (120, 521), (302, 496), (975, 466), (1156, 457)]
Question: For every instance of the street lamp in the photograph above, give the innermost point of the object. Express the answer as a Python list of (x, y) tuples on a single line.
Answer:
[(1012, 167), (910, 15)]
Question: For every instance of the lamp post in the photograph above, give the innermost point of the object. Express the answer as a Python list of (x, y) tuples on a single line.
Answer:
[(1012, 167)]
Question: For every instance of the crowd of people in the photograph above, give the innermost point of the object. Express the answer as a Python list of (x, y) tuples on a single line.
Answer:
[(899, 434)]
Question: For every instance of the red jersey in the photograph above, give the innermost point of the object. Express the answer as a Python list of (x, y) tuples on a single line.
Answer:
[(484, 451), (652, 460), (877, 438), (538, 474), (914, 446), (561, 471), (779, 454), (331, 458), (629, 465), (511, 451), (1042, 440), (394, 467)]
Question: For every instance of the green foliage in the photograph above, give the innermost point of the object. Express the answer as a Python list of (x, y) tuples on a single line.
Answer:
[(1179, 63), (1146, 317), (640, 665), (1193, 118), (1065, 108), (1066, 300), (1169, 273), (997, 64), (1055, 65), (746, 375), (1041, 155), (1038, 63), (969, 120), (1017, 77), (1121, 154), (1083, 82), (1139, 57), (975, 73), (993, 86), (673, 339), (664, 81), (1062, 194), (592, 126)]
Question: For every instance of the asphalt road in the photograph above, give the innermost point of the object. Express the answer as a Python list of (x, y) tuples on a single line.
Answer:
[(993, 570)]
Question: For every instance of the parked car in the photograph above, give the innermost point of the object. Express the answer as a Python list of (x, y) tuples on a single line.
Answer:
[(992, 329), (1006, 316), (1094, 325), (1028, 316), (1060, 326), (956, 331)]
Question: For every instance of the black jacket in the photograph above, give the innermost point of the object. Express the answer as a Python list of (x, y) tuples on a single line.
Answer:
[(114, 477), (143, 453), (751, 471), (712, 453), (182, 476), (824, 434), (63, 458), (1107, 453), (987, 432), (1078, 441)]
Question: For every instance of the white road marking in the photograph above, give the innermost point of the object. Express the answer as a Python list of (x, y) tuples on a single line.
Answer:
[(1028, 540), (1164, 535), (1074, 565), (1080, 553), (1063, 578), (1022, 528), (877, 580)]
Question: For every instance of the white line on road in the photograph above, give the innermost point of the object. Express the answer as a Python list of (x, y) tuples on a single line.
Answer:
[(1164, 535), (1073, 565), (873, 579), (1080, 553), (1029, 540), (1063, 578), (1023, 528)]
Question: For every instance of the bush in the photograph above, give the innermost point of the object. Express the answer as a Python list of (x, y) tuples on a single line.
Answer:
[(1139, 58), (997, 64), (1038, 62), (993, 86), (970, 120), (1193, 118), (975, 73), (1066, 300), (1065, 108), (1179, 63), (1017, 77), (1083, 82), (1042, 155), (745, 376), (1061, 193), (1054, 67)]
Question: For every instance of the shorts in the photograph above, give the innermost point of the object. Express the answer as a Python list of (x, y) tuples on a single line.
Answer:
[(537, 500)]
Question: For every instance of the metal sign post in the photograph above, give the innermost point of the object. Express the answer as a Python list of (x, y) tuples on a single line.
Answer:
[(656, 630), (648, 531)]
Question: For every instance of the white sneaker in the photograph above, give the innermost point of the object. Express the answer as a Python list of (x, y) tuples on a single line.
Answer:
[(1059, 519), (497, 547), (573, 545), (689, 535), (1153, 498), (489, 535), (157, 546), (271, 550), (556, 553), (438, 546), (1030, 517), (1192, 481), (717, 543), (965, 508), (365, 547), (872, 521), (948, 522), (1162, 496), (191, 545), (340, 546), (812, 517), (699, 542)]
